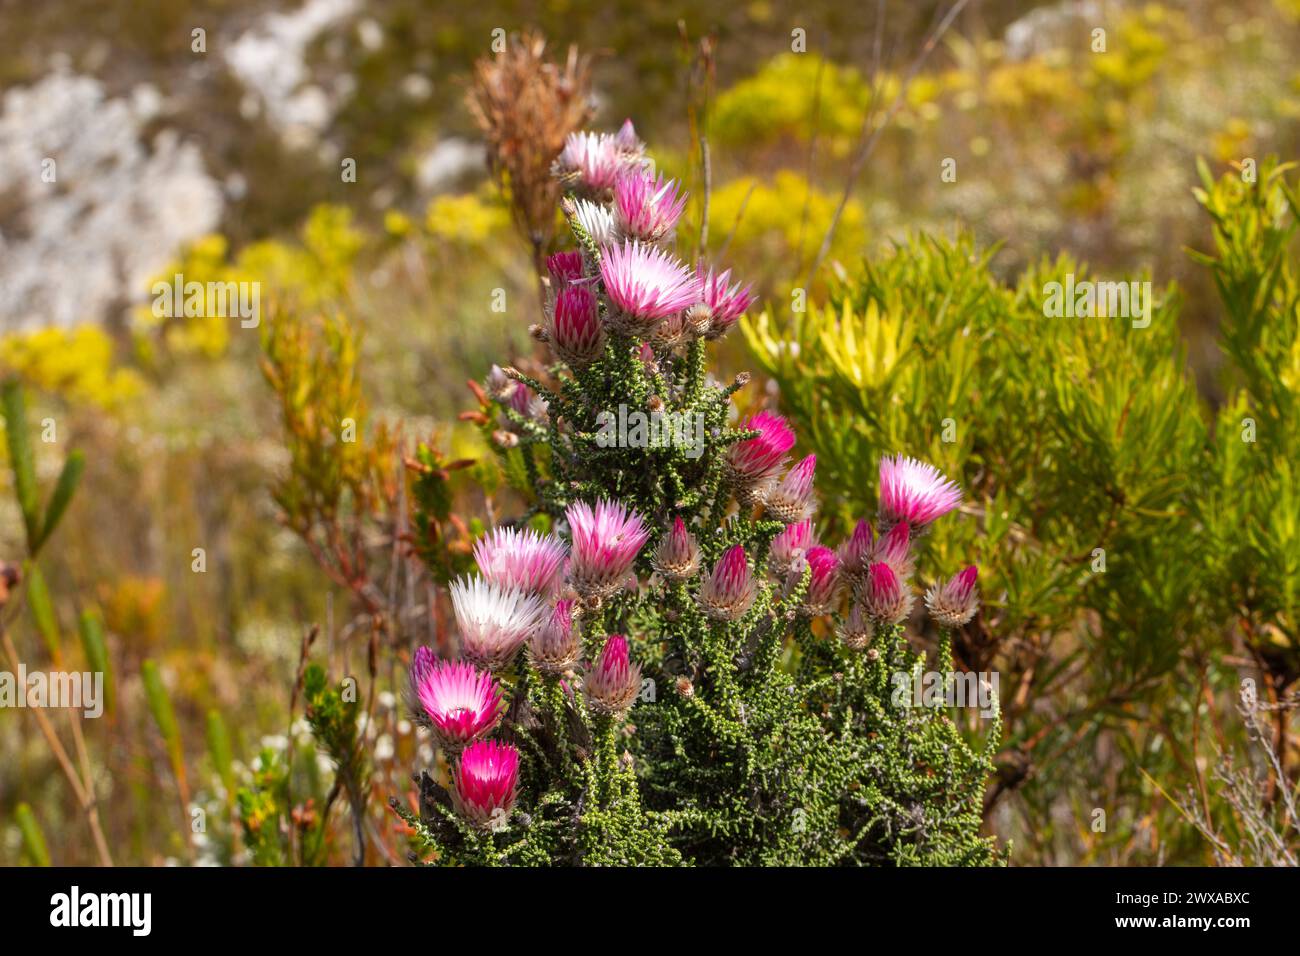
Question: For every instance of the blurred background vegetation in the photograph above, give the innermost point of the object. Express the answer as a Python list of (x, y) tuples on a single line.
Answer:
[(225, 164)]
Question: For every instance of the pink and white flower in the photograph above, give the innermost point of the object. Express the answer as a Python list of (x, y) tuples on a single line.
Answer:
[(575, 330), (647, 208), (613, 681), (483, 790), (914, 492), (606, 540), (495, 620), (677, 557), (894, 548), (856, 553), (729, 592), (555, 647), (885, 596), (754, 462), (858, 628), (565, 267), (524, 559), (646, 284), (726, 303), (791, 499), (824, 581), (955, 601), (460, 702), (790, 546), (592, 160)]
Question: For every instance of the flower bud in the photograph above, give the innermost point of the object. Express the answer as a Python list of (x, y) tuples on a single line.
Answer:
[(954, 602)]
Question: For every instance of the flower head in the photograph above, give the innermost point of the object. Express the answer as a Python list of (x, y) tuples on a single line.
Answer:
[(789, 547), (647, 208), (494, 620), (858, 629), (856, 553), (596, 221), (955, 601), (627, 142), (894, 548), (677, 557), (575, 330), (613, 681), (754, 462), (591, 160), (726, 303), (460, 702), (729, 592), (884, 595), (914, 492), (791, 499), (824, 582), (646, 284), (554, 648), (524, 559), (565, 267), (484, 783), (606, 540)]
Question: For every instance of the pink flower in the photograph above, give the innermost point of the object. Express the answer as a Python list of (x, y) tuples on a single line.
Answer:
[(627, 142), (523, 559), (575, 330), (494, 620), (791, 499), (612, 683), (790, 546), (914, 492), (954, 602), (677, 557), (885, 597), (729, 592), (856, 553), (483, 789), (894, 549), (554, 648), (590, 159), (647, 208), (824, 583), (858, 629), (646, 284), (755, 461), (461, 702), (726, 304), (606, 540), (565, 267)]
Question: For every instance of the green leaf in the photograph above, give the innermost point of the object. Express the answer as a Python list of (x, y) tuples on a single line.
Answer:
[(33, 838), (38, 599), (62, 497), (219, 750), (14, 406), (160, 705), (96, 650)]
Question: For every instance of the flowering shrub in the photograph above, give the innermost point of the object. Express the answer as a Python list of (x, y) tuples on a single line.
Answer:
[(659, 662)]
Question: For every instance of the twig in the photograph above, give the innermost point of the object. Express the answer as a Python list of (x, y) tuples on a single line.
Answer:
[(870, 137)]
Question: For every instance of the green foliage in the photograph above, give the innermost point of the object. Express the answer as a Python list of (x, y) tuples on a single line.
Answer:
[(33, 838), (1251, 505)]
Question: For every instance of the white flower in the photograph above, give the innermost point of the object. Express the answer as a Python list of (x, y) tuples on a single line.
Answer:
[(495, 621), (597, 220)]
